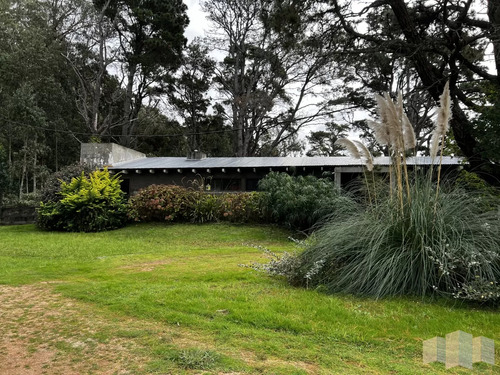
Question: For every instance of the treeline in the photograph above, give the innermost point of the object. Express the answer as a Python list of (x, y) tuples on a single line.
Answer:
[(75, 71)]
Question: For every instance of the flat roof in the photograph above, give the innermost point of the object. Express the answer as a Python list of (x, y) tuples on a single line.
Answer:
[(268, 162)]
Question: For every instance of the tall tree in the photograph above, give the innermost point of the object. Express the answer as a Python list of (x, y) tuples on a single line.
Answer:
[(275, 63), (322, 142), (189, 94), (91, 56), (151, 40), (441, 41)]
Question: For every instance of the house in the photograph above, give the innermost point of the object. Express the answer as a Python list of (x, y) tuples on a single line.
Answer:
[(226, 173)]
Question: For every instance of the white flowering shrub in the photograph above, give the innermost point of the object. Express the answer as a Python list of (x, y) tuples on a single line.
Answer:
[(284, 264)]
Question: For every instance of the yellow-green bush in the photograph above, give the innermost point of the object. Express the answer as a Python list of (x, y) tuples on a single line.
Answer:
[(86, 204)]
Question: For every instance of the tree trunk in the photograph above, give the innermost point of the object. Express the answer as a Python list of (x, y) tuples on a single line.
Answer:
[(494, 18), (128, 119), (34, 165), (434, 82)]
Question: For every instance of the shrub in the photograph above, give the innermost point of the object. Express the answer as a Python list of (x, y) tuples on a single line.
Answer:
[(164, 203), (488, 196), (241, 207), (52, 187), (302, 202), (286, 264), (175, 203), (207, 208), (86, 204)]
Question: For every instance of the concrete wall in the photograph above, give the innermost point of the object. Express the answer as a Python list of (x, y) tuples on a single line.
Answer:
[(15, 215), (100, 155)]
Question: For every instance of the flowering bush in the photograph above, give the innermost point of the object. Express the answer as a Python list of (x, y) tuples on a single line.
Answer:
[(242, 207), (163, 203), (175, 203)]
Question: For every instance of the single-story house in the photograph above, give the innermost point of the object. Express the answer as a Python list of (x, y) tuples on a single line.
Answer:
[(226, 173)]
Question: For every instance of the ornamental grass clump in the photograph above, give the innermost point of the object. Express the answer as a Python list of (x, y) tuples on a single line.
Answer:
[(381, 252), (422, 237)]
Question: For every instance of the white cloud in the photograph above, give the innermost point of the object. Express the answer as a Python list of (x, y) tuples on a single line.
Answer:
[(197, 20)]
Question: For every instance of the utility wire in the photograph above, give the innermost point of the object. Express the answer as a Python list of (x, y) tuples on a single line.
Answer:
[(71, 132)]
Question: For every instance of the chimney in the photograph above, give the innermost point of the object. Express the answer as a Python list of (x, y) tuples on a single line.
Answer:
[(197, 155)]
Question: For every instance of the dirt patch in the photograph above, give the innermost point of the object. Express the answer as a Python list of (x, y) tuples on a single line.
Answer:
[(44, 333), (146, 266)]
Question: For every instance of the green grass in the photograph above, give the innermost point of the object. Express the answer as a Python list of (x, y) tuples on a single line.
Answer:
[(187, 277)]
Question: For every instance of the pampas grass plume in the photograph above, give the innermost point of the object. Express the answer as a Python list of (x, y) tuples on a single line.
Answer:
[(381, 132), (442, 121), (367, 155), (393, 122), (408, 133), (349, 146)]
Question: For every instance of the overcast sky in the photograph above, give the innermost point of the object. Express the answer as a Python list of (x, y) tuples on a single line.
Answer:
[(197, 20)]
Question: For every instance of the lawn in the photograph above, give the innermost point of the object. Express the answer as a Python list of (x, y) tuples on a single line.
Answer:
[(173, 299)]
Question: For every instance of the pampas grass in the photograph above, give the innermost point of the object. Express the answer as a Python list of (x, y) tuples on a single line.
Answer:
[(409, 138), (380, 132), (366, 155), (379, 252), (439, 133), (395, 131)]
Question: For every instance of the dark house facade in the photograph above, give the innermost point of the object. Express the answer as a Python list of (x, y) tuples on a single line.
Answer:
[(228, 173)]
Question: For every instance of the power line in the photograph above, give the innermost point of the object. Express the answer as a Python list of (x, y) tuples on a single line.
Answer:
[(71, 132)]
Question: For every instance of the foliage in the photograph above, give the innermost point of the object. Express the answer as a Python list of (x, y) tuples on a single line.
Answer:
[(163, 203), (188, 93), (90, 204), (173, 203), (52, 187), (302, 202), (153, 129), (151, 40), (37, 88), (322, 142), (25, 200), (488, 197), (422, 250), (286, 264), (242, 207)]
